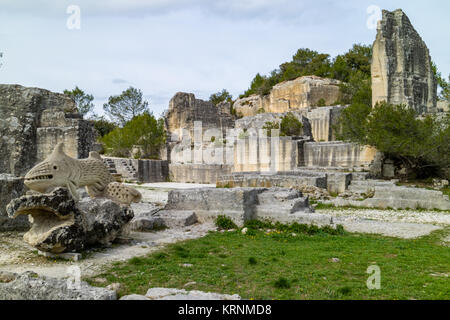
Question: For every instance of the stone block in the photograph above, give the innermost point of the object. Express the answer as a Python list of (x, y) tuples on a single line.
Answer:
[(338, 182), (239, 204)]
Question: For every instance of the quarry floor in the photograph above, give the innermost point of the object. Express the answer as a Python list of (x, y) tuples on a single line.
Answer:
[(17, 256)]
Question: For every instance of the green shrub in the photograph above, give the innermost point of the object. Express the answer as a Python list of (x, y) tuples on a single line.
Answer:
[(290, 126), (252, 261), (144, 130), (271, 125), (321, 103), (225, 223)]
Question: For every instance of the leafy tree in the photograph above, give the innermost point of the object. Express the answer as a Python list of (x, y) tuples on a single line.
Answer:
[(144, 130), (422, 144), (82, 100), (103, 126), (357, 90), (444, 85), (309, 62), (353, 122), (221, 96), (126, 106)]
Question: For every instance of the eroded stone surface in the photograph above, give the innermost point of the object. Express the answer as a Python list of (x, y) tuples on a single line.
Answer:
[(29, 286), (181, 294), (300, 93), (59, 224), (401, 65), (11, 187)]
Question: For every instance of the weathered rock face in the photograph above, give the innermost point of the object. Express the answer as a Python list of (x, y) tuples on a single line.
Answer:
[(185, 109), (401, 65), (300, 93), (59, 224), (11, 187), (32, 121), (29, 286)]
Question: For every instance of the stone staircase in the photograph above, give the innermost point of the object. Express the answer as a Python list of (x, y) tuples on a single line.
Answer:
[(131, 171), (121, 168), (110, 165)]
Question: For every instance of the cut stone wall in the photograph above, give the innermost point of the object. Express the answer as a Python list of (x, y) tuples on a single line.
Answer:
[(290, 179), (261, 155), (198, 173), (301, 93), (337, 154), (322, 120), (401, 65)]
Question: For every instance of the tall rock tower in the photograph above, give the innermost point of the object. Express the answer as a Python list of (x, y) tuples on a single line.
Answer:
[(401, 65)]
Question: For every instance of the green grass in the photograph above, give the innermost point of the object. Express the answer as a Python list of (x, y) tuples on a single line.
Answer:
[(280, 265)]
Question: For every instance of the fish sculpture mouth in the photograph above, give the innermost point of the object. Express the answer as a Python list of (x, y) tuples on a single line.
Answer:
[(39, 177)]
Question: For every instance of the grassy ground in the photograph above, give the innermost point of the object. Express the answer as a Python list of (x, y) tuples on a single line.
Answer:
[(280, 265)]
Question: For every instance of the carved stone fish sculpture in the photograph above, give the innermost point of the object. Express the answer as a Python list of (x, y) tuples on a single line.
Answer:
[(60, 170)]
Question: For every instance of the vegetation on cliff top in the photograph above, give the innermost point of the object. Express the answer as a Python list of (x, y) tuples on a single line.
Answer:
[(353, 64), (82, 100)]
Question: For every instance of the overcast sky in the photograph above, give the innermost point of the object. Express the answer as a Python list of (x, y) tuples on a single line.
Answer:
[(199, 46)]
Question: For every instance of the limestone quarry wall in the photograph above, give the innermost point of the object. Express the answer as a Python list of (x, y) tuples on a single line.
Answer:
[(301, 93), (262, 155), (322, 120), (401, 65), (198, 173), (33, 121), (184, 110), (337, 154), (11, 187)]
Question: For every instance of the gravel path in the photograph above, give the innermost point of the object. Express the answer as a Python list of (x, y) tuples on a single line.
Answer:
[(407, 224), (431, 217)]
